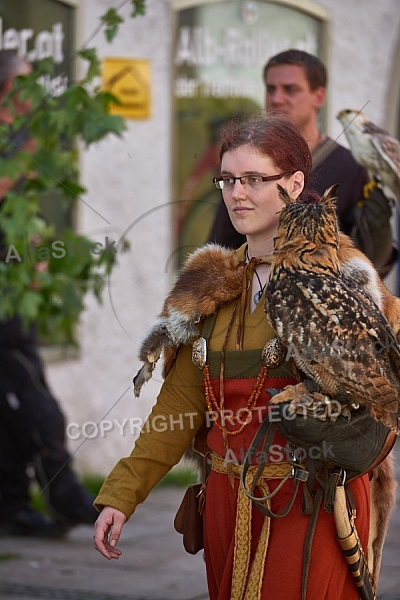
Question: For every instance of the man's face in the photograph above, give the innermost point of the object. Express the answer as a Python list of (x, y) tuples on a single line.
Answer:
[(288, 95)]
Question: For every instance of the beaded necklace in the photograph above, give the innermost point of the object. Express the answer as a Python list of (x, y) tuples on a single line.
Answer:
[(211, 400)]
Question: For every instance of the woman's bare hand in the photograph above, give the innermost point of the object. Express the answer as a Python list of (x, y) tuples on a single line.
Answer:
[(108, 528)]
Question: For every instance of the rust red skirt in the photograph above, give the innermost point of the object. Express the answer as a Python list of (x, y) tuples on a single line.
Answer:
[(329, 576)]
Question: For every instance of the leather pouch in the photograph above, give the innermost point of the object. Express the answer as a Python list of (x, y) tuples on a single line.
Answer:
[(189, 518)]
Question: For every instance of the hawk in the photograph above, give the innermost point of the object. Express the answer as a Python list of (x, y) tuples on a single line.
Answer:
[(373, 148), (331, 328)]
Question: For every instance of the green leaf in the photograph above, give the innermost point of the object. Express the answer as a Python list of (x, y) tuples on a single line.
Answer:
[(29, 306), (45, 66), (73, 187), (138, 8), (112, 21), (94, 69)]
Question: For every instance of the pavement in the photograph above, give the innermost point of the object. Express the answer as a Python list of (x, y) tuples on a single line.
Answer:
[(153, 566)]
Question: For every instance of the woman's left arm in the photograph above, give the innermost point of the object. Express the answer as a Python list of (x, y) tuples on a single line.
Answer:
[(176, 417)]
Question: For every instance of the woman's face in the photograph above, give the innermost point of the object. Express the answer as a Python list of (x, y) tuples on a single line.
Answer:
[(254, 210)]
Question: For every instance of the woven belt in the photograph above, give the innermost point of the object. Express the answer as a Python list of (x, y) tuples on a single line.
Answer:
[(245, 585)]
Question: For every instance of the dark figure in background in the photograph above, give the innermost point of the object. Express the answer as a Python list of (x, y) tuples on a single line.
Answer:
[(32, 428), (296, 90)]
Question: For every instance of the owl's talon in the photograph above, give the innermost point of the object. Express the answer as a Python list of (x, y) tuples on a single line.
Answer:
[(287, 394), (301, 401)]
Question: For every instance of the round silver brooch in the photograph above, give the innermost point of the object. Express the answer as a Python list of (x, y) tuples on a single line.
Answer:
[(273, 354)]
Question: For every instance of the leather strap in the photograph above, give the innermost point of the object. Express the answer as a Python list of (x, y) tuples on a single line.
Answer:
[(322, 151), (308, 541), (298, 471)]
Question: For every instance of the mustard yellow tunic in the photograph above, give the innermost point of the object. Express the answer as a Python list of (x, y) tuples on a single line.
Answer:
[(156, 451)]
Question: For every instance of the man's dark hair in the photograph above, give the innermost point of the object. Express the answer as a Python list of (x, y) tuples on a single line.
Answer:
[(10, 64), (314, 68)]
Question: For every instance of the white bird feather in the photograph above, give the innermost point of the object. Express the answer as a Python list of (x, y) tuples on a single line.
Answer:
[(373, 148)]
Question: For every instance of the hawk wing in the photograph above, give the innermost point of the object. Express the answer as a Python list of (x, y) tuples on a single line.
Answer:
[(388, 149), (373, 148)]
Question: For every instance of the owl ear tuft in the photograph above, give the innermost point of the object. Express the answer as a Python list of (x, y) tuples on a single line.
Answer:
[(329, 198), (284, 195)]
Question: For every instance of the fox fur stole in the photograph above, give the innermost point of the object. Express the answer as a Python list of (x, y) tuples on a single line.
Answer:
[(211, 277)]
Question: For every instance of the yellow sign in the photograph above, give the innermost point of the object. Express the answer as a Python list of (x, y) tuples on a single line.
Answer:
[(128, 79)]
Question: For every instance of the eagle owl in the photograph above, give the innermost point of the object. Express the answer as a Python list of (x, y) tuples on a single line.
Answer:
[(373, 148), (333, 330)]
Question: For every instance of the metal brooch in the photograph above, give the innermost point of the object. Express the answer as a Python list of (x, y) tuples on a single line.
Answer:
[(273, 354), (199, 352)]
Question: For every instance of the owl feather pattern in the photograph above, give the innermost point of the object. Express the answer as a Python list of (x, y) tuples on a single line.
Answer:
[(331, 327)]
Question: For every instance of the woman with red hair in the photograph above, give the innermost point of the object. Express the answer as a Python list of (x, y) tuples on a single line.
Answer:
[(217, 374)]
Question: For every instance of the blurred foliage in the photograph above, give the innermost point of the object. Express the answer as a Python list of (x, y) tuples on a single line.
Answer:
[(39, 286), (112, 19), (179, 476), (9, 556), (91, 482)]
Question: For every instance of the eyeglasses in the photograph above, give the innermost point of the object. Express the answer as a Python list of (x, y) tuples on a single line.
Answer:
[(253, 181)]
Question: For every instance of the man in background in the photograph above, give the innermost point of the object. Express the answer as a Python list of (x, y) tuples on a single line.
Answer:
[(32, 427), (295, 84)]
